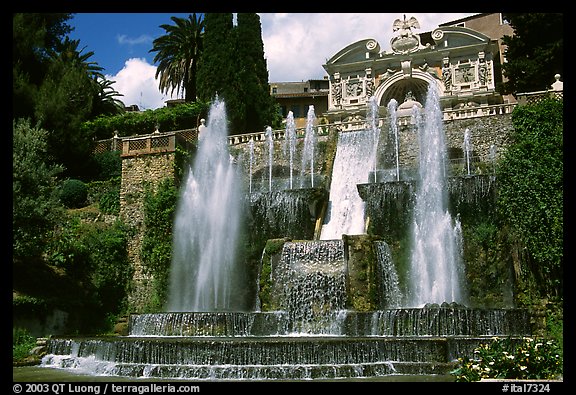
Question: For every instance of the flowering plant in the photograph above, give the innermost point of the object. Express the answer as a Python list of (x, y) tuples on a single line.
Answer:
[(525, 358)]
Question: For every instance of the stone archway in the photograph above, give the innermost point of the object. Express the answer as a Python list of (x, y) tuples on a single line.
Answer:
[(398, 85)]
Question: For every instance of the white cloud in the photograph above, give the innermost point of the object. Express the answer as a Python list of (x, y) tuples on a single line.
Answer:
[(141, 39), (297, 45), (138, 85)]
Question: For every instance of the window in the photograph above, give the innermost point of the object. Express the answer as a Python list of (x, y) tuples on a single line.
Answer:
[(296, 111)]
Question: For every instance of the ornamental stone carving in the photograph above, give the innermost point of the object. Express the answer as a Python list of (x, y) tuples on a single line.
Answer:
[(405, 42)]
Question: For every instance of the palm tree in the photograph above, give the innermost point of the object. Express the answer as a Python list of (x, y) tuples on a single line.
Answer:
[(105, 96), (178, 53), (67, 52)]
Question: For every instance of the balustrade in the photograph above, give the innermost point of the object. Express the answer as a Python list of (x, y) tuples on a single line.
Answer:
[(166, 142)]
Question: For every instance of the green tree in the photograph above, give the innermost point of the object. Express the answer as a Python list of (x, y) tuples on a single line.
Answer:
[(234, 68), (253, 74), (216, 70), (178, 53), (35, 203), (34, 35), (64, 101), (530, 192), (535, 52)]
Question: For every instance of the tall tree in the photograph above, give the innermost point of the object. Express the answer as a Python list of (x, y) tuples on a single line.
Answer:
[(233, 67), (253, 73), (535, 53), (216, 68), (178, 53), (34, 35)]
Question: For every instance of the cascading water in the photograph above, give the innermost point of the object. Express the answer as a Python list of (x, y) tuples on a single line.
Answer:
[(290, 143), (390, 281), (309, 146), (346, 208), (436, 256), (206, 225)]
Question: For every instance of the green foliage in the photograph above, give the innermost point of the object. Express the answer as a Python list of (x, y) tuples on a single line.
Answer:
[(235, 55), (109, 165), (34, 35), (156, 252), (95, 255), (178, 54), (182, 116), (109, 202), (530, 196), (506, 358), (22, 343), (73, 193), (111, 269), (35, 203), (534, 53)]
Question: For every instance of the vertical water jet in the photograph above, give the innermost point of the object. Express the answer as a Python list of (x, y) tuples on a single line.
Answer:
[(290, 143), (206, 225), (309, 146), (436, 257)]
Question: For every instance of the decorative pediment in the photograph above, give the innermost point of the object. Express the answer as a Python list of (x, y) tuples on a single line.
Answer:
[(355, 52), (455, 37)]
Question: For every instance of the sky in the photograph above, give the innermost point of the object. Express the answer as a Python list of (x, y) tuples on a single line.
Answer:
[(296, 45)]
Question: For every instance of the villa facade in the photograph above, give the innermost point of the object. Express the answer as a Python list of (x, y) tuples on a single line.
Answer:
[(461, 62)]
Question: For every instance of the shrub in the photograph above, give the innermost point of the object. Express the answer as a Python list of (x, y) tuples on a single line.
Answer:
[(22, 343), (504, 358), (73, 193), (109, 202)]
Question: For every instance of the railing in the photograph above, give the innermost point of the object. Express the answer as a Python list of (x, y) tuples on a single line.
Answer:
[(155, 142), (166, 142), (537, 97), (479, 111)]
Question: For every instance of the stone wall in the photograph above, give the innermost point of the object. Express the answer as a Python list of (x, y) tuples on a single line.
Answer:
[(138, 174), (484, 132)]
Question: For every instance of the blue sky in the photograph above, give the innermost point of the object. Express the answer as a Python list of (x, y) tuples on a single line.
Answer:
[(295, 44)]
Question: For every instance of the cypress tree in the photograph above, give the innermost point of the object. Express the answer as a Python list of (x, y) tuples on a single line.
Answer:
[(233, 67), (253, 73), (215, 67)]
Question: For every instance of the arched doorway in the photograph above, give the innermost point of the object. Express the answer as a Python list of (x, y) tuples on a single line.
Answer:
[(398, 86)]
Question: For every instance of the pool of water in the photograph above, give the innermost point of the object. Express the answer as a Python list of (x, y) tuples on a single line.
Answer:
[(27, 374)]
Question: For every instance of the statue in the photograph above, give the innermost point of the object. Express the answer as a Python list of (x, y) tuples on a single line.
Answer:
[(405, 26), (406, 41)]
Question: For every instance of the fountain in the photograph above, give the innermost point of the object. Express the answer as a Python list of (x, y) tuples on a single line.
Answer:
[(436, 263), (351, 167), (309, 146), (330, 308), (270, 142), (251, 164), (290, 144), (206, 225), (392, 106), (372, 122), (467, 148)]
